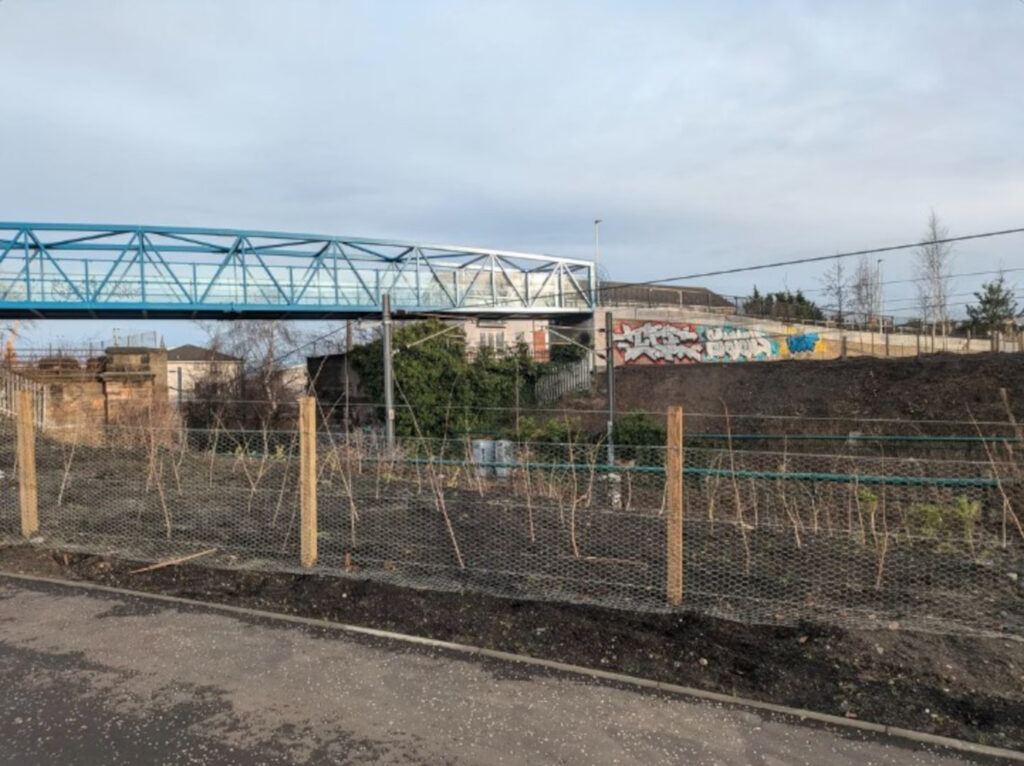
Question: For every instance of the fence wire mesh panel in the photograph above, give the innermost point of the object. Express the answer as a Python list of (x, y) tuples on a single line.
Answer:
[(535, 521), (154, 493), (10, 513), (769, 535), (940, 553)]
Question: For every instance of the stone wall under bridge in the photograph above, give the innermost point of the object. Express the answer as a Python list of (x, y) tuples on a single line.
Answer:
[(124, 386)]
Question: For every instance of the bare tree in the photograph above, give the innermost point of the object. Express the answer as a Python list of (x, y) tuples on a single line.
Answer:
[(932, 270), (263, 349), (9, 337), (836, 285), (864, 290)]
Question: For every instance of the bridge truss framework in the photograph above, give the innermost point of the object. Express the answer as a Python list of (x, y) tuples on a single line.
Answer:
[(62, 270)]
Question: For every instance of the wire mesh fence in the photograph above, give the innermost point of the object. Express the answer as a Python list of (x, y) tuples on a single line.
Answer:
[(10, 515), (770, 536)]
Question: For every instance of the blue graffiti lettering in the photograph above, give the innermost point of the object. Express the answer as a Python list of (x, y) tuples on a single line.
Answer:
[(798, 344)]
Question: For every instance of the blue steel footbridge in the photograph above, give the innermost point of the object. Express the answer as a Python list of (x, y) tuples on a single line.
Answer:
[(63, 270)]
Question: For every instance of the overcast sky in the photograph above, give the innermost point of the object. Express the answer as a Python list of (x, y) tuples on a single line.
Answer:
[(705, 135)]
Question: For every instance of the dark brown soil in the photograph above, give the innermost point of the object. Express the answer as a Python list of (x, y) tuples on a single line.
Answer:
[(958, 686), (934, 387)]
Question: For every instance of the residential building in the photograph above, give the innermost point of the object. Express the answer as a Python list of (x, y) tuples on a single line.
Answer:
[(188, 365)]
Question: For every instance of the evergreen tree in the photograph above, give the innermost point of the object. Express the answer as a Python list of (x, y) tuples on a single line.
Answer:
[(996, 307), (439, 392), (782, 305)]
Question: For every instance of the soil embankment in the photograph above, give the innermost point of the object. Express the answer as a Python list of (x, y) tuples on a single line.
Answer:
[(826, 396)]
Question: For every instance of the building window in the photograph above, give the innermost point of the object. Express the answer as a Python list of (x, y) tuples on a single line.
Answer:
[(493, 339)]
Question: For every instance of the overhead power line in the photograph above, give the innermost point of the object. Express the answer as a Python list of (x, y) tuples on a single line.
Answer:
[(835, 256), (738, 270), (666, 281), (916, 309), (913, 280)]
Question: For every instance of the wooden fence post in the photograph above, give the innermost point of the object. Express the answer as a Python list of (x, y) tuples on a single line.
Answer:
[(674, 509), (307, 481), (28, 490)]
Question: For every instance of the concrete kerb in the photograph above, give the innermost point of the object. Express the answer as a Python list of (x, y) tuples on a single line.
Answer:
[(896, 732)]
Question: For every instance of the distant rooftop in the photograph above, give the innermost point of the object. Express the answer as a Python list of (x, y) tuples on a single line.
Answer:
[(193, 353), (634, 294)]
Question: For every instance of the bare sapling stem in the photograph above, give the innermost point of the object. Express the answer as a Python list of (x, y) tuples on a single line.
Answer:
[(151, 448), (163, 498), (862, 534), (712, 484), (1008, 511), (69, 457), (284, 482), (436, 482), (794, 519), (885, 543), (592, 460), (176, 464), (740, 521), (529, 502), (345, 477), (755, 502), (575, 493), (214, 444)]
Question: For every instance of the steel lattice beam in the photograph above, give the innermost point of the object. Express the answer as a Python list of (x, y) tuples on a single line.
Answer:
[(62, 270)]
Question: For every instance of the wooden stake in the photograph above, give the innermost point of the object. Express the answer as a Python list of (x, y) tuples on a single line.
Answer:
[(674, 509), (173, 562), (307, 481), (28, 489)]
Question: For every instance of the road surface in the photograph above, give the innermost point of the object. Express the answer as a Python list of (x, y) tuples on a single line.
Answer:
[(89, 677)]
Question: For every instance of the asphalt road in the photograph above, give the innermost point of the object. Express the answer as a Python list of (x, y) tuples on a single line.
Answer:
[(97, 678)]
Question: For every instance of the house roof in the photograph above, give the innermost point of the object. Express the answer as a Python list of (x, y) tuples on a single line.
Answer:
[(645, 293), (193, 353)]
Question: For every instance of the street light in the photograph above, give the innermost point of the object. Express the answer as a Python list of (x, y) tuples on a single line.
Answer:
[(597, 256)]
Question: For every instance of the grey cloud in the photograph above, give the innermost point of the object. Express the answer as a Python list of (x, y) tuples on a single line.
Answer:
[(724, 133)]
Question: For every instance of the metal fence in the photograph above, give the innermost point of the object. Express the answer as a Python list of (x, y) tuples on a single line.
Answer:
[(567, 379), (10, 384), (769, 536)]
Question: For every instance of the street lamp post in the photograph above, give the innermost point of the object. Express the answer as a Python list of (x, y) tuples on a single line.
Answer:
[(878, 290), (609, 362)]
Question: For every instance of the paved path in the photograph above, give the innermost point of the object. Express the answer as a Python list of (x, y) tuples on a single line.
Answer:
[(96, 678)]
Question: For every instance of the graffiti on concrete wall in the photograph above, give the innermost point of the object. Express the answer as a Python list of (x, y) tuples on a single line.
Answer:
[(801, 344), (675, 343), (737, 344), (661, 342)]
